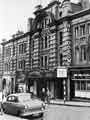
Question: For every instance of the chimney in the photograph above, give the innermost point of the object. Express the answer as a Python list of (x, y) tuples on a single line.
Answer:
[(30, 24)]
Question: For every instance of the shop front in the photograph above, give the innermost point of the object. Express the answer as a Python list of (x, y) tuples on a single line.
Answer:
[(47, 80), (80, 83)]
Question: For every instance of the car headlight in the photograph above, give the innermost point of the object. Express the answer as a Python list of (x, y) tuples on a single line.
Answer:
[(26, 106)]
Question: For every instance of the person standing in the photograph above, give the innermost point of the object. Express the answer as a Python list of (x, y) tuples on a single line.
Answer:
[(43, 94)]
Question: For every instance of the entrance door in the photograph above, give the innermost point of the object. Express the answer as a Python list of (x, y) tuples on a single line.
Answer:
[(59, 88), (72, 89)]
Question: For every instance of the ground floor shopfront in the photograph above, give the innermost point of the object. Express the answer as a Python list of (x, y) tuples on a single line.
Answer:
[(80, 82), (48, 81)]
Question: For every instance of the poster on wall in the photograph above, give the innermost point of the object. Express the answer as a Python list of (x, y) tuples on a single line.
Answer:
[(61, 72)]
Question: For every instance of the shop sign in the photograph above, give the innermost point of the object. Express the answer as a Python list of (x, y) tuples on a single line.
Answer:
[(61, 72), (81, 76)]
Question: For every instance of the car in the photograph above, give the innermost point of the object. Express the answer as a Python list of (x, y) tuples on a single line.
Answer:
[(23, 104)]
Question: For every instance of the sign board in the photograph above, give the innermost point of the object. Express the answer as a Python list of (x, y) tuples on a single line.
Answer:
[(61, 72)]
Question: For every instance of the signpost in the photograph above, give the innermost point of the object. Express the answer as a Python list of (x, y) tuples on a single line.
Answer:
[(62, 73)]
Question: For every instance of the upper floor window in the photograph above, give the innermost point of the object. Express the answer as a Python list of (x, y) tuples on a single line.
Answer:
[(45, 23), (76, 32), (22, 48), (44, 61), (61, 59), (8, 52), (61, 38), (83, 53), (82, 30), (13, 50), (45, 41), (21, 64), (88, 27)]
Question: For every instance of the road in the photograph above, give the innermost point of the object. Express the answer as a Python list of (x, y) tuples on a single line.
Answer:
[(57, 112)]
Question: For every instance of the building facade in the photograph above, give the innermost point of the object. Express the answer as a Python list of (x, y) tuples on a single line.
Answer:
[(57, 38), (15, 61)]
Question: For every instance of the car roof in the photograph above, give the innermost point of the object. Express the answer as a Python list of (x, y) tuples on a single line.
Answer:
[(19, 94)]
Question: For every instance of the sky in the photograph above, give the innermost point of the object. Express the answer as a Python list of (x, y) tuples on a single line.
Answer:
[(14, 15)]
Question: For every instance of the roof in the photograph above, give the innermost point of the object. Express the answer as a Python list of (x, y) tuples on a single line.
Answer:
[(19, 94)]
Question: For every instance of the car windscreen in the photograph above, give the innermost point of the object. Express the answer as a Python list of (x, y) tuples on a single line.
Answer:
[(24, 98)]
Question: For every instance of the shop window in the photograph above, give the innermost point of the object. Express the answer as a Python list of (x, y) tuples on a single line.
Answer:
[(82, 30), (88, 85), (77, 85), (83, 85)]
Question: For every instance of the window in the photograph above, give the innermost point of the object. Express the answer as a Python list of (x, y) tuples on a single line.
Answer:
[(45, 41), (76, 32), (61, 59), (77, 85), (82, 30), (42, 61), (77, 55), (13, 50), (83, 53), (46, 61), (88, 85), (60, 14), (88, 26), (45, 23), (21, 64), (22, 48), (89, 52), (60, 38), (8, 52), (25, 47), (83, 85)]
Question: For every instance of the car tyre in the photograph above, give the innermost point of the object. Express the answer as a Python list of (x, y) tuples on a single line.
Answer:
[(41, 114), (18, 113)]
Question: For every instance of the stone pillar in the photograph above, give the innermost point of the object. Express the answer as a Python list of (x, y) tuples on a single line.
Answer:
[(67, 52)]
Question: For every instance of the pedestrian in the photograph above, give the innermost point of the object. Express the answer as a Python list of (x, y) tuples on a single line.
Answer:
[(43, 94), (48, 95)]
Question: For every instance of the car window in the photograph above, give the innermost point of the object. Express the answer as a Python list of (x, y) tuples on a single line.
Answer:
[(9, 99), (12, 99)]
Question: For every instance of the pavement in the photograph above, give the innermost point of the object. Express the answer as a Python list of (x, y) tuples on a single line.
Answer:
[(70, 103)]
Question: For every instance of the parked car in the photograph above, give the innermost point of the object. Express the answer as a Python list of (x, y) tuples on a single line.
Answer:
[(22, 104)]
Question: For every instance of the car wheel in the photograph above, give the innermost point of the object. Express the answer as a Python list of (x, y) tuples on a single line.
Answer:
[(18, 113), (4, 110), (41, 114)]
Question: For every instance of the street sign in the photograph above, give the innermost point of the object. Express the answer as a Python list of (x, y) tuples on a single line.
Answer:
[(61, 72)]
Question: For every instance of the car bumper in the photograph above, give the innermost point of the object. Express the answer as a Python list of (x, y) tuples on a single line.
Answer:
[(31, 113)]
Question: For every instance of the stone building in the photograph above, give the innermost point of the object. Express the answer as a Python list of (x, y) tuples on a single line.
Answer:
[(57, 38), (15, 61)]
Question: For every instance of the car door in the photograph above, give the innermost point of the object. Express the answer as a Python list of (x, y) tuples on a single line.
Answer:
[(7, 105)]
